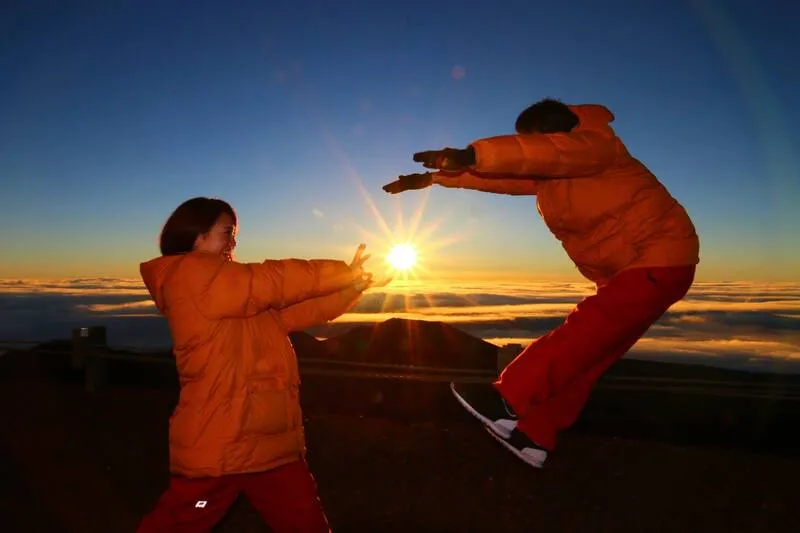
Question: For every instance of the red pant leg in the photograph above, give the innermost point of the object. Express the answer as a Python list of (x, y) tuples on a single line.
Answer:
[(287, 499), (549, 382), (192, 505), (546, 419)]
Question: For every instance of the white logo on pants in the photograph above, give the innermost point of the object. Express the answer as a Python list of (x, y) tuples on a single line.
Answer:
[(200, 504)]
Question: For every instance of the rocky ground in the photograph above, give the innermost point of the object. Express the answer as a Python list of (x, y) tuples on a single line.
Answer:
[(94, 463)]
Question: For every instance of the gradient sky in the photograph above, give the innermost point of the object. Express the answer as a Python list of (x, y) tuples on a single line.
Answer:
[(112, 113)]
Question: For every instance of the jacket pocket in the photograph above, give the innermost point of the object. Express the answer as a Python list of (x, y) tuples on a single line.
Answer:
[(265, 409)]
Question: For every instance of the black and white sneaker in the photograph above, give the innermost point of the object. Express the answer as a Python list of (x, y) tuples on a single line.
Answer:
[(488, 406), (522, 447), (500, 421)]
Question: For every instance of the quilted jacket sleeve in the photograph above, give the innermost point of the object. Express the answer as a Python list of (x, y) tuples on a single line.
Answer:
[(498, 184), (316, 311), (556, 155), (227, 289)]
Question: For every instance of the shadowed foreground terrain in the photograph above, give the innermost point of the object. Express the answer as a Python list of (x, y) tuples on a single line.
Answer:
[(401, 456)]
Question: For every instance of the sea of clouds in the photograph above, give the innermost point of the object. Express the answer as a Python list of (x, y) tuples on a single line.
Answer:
[(736, 325)]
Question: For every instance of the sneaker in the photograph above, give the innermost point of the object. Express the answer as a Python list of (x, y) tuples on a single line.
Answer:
[(523, 447), (486, 404)]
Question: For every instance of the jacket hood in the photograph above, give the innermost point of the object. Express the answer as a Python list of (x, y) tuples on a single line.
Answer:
[(155, 273), (592, 117)]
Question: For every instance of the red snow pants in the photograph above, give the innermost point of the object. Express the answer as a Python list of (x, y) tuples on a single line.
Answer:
[(548, 384), (286, 498)]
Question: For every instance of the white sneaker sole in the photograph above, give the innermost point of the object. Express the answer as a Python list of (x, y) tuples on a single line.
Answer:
[(500, 431), (536, 459)]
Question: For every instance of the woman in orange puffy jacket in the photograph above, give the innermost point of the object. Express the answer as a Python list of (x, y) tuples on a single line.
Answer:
[(615, 220), (237, 427)]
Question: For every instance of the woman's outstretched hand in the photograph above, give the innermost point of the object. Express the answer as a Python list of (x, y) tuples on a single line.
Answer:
[(357, 264), (364, 280)]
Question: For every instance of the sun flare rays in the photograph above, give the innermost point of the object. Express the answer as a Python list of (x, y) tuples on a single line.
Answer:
[(406, 251)]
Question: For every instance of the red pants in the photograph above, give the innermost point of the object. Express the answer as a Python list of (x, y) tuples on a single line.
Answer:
[(286, 498), (548, 384)]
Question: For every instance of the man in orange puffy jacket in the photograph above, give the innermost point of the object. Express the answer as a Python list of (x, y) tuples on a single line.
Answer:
[(615, 220)]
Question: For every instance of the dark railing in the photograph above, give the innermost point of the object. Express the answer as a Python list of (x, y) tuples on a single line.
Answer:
[(90, 352)]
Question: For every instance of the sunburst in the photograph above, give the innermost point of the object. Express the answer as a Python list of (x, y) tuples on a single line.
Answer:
[(409, 249), (402, 257)]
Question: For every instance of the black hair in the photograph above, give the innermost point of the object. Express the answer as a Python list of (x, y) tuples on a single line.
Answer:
[(546, 116), (192, 218)]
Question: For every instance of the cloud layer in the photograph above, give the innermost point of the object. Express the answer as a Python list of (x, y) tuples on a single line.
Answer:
[(740, 325)]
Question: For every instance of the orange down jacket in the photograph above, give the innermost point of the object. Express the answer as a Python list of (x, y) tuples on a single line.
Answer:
[(607, 209), (239, 409)]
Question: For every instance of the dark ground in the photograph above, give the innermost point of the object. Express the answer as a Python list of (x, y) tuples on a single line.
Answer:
[(392, 456)]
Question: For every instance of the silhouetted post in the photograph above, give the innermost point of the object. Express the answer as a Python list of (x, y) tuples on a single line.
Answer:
[(88, 345), (506, 354)]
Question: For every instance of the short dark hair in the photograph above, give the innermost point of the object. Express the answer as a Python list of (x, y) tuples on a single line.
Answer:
[(192, 218), (546, 116)]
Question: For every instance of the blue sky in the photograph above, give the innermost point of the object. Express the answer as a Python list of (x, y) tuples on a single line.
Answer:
[(115, 112)]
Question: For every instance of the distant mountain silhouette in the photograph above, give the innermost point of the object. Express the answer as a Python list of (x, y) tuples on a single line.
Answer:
[(396, 341), (412, 342)]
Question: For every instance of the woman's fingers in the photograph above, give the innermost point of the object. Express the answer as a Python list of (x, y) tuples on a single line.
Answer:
[(357, 257)]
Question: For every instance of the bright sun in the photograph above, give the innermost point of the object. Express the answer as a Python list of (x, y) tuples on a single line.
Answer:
[(402, 257)]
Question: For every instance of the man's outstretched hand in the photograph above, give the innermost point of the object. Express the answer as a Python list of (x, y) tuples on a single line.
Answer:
[(447, 158), (409, 182)]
